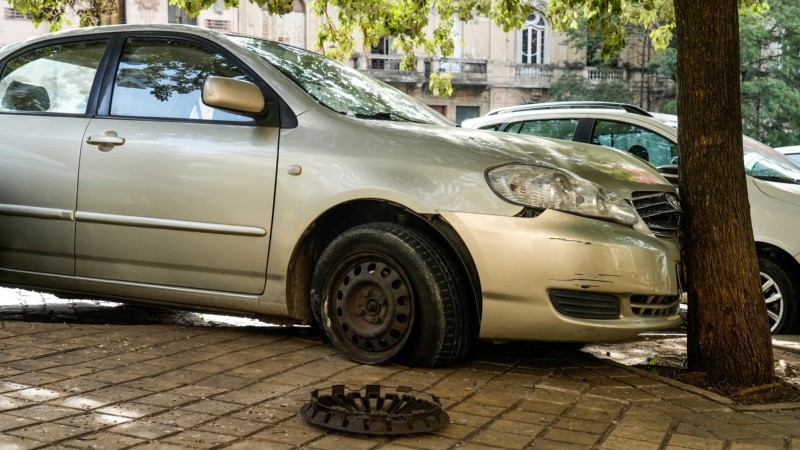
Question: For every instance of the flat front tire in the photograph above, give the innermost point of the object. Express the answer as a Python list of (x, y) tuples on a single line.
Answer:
[(383, 291)]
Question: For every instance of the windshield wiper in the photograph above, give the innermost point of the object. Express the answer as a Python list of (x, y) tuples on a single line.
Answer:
[(777, 179)]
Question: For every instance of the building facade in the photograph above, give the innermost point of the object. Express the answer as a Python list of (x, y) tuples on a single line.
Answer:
[(491, 68)]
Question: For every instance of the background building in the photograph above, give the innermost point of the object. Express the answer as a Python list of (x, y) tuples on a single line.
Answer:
[(491, 68)]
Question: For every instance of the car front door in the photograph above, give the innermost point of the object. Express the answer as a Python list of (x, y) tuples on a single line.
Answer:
[(45, 94), (173, 192)]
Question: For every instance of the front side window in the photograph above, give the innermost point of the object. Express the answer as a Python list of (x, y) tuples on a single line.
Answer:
[(163, 78), (53, 79), (767, 164), (635, 140), (551, 128), (532, 40)]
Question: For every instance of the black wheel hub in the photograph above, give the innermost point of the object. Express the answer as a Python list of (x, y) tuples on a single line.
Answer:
[(370, 307)]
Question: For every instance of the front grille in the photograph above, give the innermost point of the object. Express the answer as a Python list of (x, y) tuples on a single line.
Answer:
[(655, 305), (585, 306), (659, 210)]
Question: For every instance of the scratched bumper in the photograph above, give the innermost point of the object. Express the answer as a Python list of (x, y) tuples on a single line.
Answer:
[(521, 260)]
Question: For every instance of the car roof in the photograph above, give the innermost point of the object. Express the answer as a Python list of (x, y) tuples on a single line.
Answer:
[(570, 105), (480, 122), (789, 149), (105, 29)]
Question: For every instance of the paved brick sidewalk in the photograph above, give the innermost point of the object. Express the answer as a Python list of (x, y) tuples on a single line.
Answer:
[(146, 384)]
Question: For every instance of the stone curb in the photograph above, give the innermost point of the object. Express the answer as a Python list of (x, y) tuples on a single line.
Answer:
[(707, 394)]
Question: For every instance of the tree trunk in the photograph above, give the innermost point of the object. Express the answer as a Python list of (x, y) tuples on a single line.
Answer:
[(728, 331)]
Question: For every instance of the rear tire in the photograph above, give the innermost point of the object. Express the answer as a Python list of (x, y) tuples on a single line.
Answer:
[(383, 291), (780, 295)]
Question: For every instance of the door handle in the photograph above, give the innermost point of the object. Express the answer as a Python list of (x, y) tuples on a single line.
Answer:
[(105, 141)]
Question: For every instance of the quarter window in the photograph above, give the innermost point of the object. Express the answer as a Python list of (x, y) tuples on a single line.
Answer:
[(164, 77), (53, 79)]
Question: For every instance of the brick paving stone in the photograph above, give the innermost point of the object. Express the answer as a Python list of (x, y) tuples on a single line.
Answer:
[(477, 409), (773, 429), (552, 396), (699, 404), (592, 414), (572, 436), (455, 431), (198, 391), (93, 420), (232, 426), (215, 407), (11, 403), (618, 443), (145, 429), (256, 393), (503, 440), (349, 441), (544, 444), (49, 432), (757, 444), (166, 399), (181, 418), (543, 406), (692, 430), (8, 422), (7, 386), (588, 426), (253, 444), (36, 394), (423, 441), (629, 393), (694, 442), (530, 417), (264, 413), (513, 427), (131, 409), (198, 439), (102, 440), (16, 442), (35, 379), (289, 434), (470, 420), (43, 412), (727, 431), (638, 434)]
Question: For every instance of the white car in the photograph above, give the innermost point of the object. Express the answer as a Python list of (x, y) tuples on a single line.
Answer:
[(773, 181), (792, 151)]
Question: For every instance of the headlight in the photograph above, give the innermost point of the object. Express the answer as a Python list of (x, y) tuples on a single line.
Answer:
[(548, 188)]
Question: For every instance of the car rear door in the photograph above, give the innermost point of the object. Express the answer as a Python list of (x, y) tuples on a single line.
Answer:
[(45, 96), (173, 192)]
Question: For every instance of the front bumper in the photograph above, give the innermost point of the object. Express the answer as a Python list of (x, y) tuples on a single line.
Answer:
[(521, 262)]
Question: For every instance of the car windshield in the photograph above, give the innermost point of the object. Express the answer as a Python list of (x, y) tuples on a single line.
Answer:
[(341, 88), (764, 163)]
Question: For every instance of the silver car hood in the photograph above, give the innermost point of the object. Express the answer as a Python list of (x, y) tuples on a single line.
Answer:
[(614, 170)]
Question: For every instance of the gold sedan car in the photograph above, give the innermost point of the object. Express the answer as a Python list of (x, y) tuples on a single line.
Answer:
[(180, 166)]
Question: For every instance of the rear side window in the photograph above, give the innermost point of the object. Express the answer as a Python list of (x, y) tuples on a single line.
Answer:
[(163, 78), (52, 79), (635, 140), (549, 128)]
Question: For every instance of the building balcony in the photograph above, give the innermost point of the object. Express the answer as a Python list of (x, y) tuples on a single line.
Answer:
[(597, 75), (465, 71), (387, 69), (533, 75)]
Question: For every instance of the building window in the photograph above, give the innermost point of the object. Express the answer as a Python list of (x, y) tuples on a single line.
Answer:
[(217, 24), (532, 40), (13, 14)]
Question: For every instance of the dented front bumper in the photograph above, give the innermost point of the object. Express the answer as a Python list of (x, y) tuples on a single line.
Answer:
[(561, 277)]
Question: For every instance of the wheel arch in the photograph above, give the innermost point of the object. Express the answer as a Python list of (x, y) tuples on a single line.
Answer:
[(780, 256), (344, 216)]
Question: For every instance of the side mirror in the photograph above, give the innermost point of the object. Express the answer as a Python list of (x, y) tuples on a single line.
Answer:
[(234, 95)]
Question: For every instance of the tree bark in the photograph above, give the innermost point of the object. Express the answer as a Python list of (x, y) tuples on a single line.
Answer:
[(728, 331)]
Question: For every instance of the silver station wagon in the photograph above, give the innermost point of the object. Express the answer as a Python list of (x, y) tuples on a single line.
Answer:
[(179, 166)]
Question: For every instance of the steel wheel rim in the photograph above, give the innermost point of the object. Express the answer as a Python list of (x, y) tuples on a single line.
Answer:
[(773, 297), (369, 308)]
